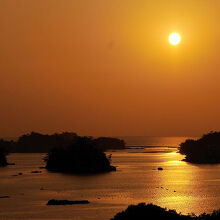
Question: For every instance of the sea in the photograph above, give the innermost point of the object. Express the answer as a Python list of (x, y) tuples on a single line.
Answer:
[(182, 186)]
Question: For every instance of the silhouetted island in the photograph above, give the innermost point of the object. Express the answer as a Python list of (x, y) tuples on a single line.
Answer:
[(81, 157), (42, 143), (205, 150), (3, 154), (150, 212)]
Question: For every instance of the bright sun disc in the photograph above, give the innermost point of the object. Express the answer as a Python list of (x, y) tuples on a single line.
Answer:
[(174, 38)]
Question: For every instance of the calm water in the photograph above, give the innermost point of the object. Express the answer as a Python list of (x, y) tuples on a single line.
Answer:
[(137, 180), (153, 141)]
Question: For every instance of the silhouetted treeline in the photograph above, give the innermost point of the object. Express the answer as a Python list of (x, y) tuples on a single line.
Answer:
[(3, 153), (81, 157), (204, 150), (42, 143), (150, 212)]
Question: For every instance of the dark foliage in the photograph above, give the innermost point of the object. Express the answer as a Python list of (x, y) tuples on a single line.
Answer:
[(3, 154), (41, 143), (205, 150), (80, 157), (7, 145), (66, 202), (151, 212)]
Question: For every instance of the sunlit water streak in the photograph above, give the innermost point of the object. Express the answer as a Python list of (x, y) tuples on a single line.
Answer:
[(181, 186)]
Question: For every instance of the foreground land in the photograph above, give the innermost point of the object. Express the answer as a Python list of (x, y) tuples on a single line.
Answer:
[(150, 212)]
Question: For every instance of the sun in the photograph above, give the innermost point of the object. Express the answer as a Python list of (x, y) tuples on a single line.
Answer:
[(174, 39)]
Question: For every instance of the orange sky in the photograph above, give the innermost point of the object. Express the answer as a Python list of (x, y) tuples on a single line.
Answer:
[(105, 67)]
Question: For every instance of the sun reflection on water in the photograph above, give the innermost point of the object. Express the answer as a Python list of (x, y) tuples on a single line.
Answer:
[(173, 153)]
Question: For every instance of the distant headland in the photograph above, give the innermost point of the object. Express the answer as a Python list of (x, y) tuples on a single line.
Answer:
[(42, 143), (205, 150)]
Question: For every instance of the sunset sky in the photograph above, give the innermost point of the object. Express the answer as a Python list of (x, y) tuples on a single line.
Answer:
[(106, 67)]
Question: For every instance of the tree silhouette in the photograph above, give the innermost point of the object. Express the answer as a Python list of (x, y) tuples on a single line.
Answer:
[(80, 157), (3, 153), (204, 150)]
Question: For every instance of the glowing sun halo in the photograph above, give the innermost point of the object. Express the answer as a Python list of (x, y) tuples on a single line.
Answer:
[(174, 39)]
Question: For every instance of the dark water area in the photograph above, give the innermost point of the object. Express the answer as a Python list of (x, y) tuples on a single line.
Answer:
[(180, 185)]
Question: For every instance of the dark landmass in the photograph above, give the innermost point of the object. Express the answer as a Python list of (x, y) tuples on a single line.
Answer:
[(107, 143), (66, 202), (205, 150), (36, 171), (11, 164), (81, 157), (4, 197), (42, 143), (150, 211), (3, 154)]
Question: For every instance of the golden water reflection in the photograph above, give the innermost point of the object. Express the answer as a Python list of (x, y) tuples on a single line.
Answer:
[(180, 185), (184, 186)]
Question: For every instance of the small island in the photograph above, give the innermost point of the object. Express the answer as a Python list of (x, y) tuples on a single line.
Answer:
[(205, 150), (3, 154), (150, 211), (66, 202), (81, 157)]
